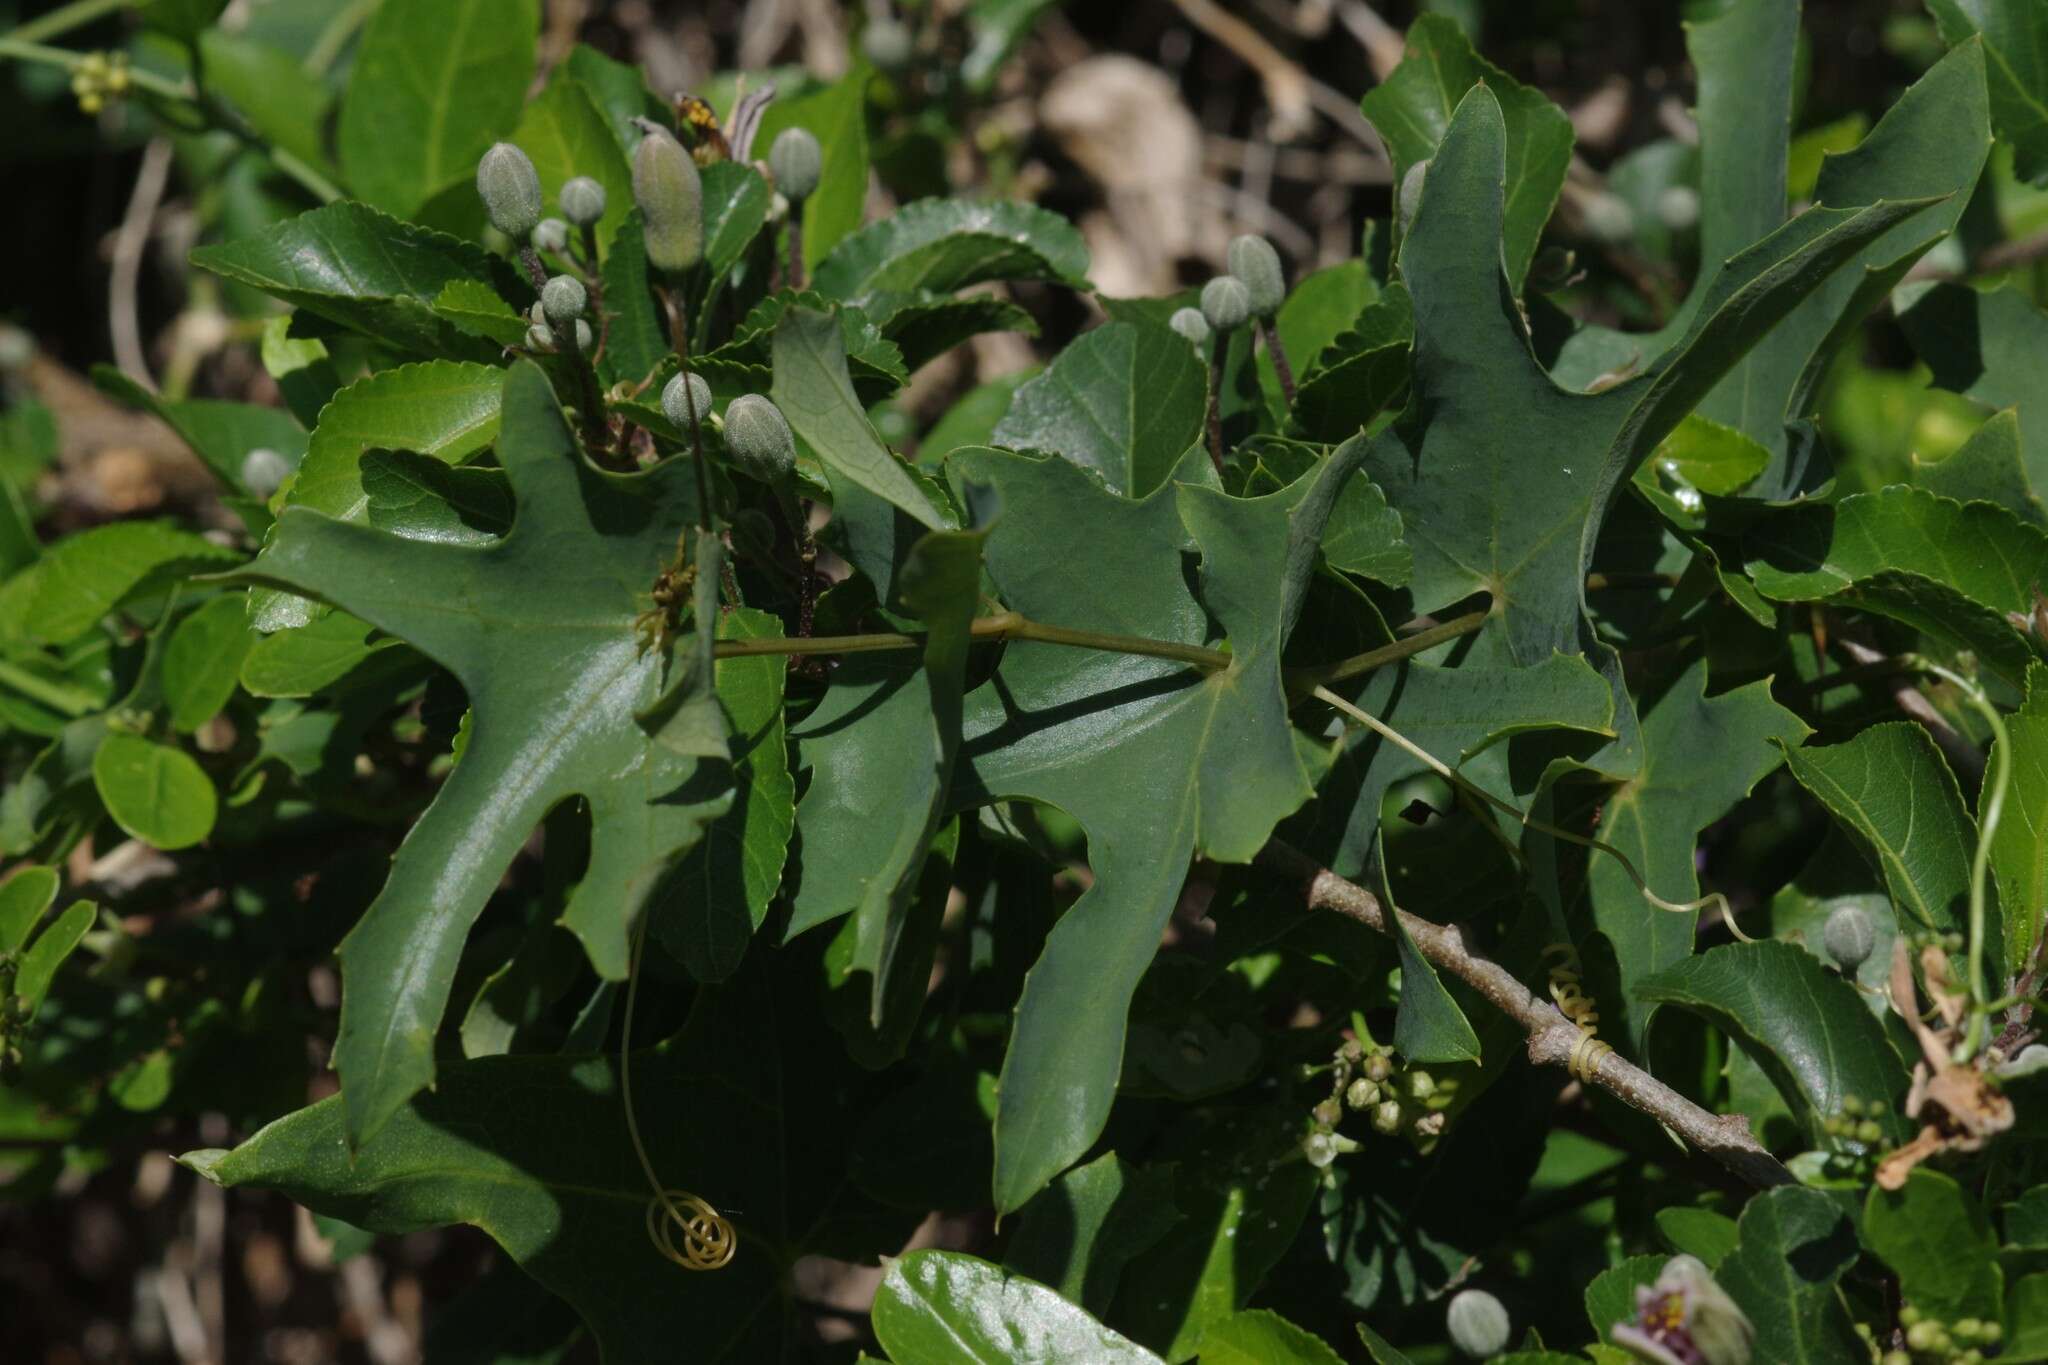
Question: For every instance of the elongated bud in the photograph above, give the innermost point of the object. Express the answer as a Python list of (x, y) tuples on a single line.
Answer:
[(1226, 303), (680, 394), (563, 299), (1479, 1324), (887, 44), (510, 188), (671, 200), (1253, 260), (551, 234), (1190, 323), (582, 200), (761, 442), (1849, 937), (797, 161), (1410, 197)]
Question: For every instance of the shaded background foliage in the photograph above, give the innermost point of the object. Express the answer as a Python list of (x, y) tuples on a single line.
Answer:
[(136, 1257)]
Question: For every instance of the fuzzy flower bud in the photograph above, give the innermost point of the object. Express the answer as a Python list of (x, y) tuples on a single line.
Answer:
[(670, 196), (1363, 1094), (1686, 1319), (1849, 937), (539, 338), (1386, 1118), (1479, 1324), (681, 394), (797, 161), (887, 44), (1328, 1112), (1320, 1149), (550, 234), (264, 471), (1226, 303), (1190, 323), (1420, 1085), (510, 188), (759, 439), (1410, 197), (563, 299), (1379, 1066), (1253, 260), (582, 200)]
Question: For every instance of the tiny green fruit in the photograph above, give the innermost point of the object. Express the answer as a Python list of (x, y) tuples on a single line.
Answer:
[(798, 162), (1253, 260), (670, 196), (510, 188), (1849, 937), (1190, 323), (759, 438), (1226, 303), (1478, 1324), (683, 392), (563, 299), (582, 200), (264, 471)]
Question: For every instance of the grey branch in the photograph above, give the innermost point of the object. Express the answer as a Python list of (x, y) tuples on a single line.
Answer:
[(1725, 1138)]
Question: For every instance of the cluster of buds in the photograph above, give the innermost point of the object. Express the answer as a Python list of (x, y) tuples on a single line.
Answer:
[(14, 1018), (1857, 1121), (1930, 1341), (1686, 1319), (99, 77), (1365, 1079)]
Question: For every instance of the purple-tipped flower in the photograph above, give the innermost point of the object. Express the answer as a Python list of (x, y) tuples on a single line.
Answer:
[(1686, 1319)]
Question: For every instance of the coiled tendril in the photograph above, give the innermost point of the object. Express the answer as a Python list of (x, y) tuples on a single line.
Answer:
[(1561, 960)]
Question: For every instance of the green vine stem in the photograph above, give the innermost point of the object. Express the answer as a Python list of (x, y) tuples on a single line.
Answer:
[(64, 18)]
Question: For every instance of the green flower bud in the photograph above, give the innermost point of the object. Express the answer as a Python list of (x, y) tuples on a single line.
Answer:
[(1410, 197), (670, 196), (584, 336), (1352, 1051), (510, 188), (1849, 936), (1190, 323), (797, 162), (1479, 1324), (1363, 1094), (1320, 1150), (1921, 1336), (539, 338), (1852, 1106), (887, 44), (582, 200), (563, 299), (1253, 260), (758, 438), (676, 406), (1869, 1132), (264, 471), (1908, 1315), (1379, 1066), (1420, 1085), (550, 234), (1328, 1113), (1226, 303), (1965, 1329), (1387, 1117)]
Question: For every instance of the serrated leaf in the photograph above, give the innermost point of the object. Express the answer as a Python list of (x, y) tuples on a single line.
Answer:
[(2019, 846), (434, 84), (815, 392), (1795, 1245), (1322, 306), (636, 339), (220, 433), (1934, 1234), (1805, 1027), (1701, 755), (1067, 726), (948, 1308), (1989, 467), (540, 630), (736, 201), (1413, 110), (85, 576), (2015, 37), (154, 792), (308, 660), (1891, 790), (202, 661), (619, 90), (442, 408), (1906, 553), (420, 498), (931, 324), (1125, 400), (728, 880), (367, 271), (1359, 373), (1703, 454), (1483, 416), (1611, 1296), (940, 245), (475, 308), (565, 135)]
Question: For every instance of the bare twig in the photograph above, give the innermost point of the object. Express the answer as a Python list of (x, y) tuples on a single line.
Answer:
[(1552, 1037), (124, 315)]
